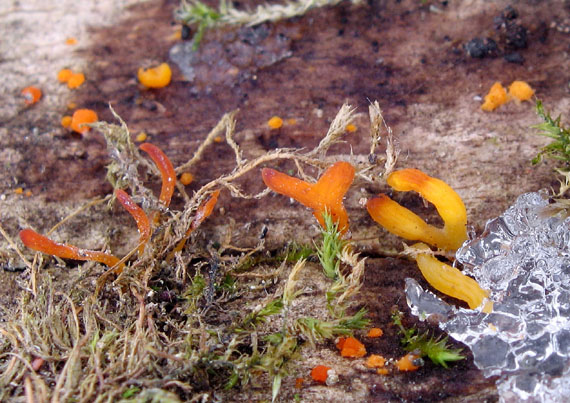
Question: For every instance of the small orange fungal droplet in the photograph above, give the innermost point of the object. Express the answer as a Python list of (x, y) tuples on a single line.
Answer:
[(71, 105), (19, 191), (275, 122), (351, 348), (142, 136), (66, 121), (299, 383), (350, 128), (496, 97), (28, 193), (80, 118), (520, 91), (186, 178), (375, 332), (375, 361), (320, 373), (64, 75), (71, 41), (31, 95), (155, 77), (76, 80), (406, 363)]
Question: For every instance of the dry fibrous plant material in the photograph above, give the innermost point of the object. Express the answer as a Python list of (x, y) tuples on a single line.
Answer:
[(83, 339)]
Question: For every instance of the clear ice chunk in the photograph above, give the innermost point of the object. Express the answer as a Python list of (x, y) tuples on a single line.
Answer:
[(523, 259)]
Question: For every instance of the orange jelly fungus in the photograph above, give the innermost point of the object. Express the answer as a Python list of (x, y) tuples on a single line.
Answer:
[(80, 118), (166, 169), (406, 363), (375, 361), (375, 332), (64, 75), (66, 121), (143, 223), (406, 224), (496, 97), (350, 347), (155, 77), (186, 178), (325, 195), (320, 373), (275, 122), (76, 80), (31, 95), (520, 91), (40, 243)]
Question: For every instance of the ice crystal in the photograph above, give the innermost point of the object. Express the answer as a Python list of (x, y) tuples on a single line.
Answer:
[(523, 259)]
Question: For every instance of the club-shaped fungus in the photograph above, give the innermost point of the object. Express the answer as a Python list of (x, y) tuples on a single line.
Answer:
[(155, 77), (81, 118), (496, 97), (406, 224), (450, 281), (325, 195), (31, 95), (166, 169), (203, 212), (40, 243), (143, 223)]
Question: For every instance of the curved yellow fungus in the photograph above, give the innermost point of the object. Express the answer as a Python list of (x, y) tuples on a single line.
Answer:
[(403, 222), (520, 91), (156, 77), (496, 97), (451, 281)]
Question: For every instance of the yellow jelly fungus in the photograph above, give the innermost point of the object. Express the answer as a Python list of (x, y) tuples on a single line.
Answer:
[(496, 97), (76, 80), (66, 121), (155, 77), (350, 128), (142, 136), (450, 280), (186, 178), (275, 122), (520, 91), (406, 224)]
